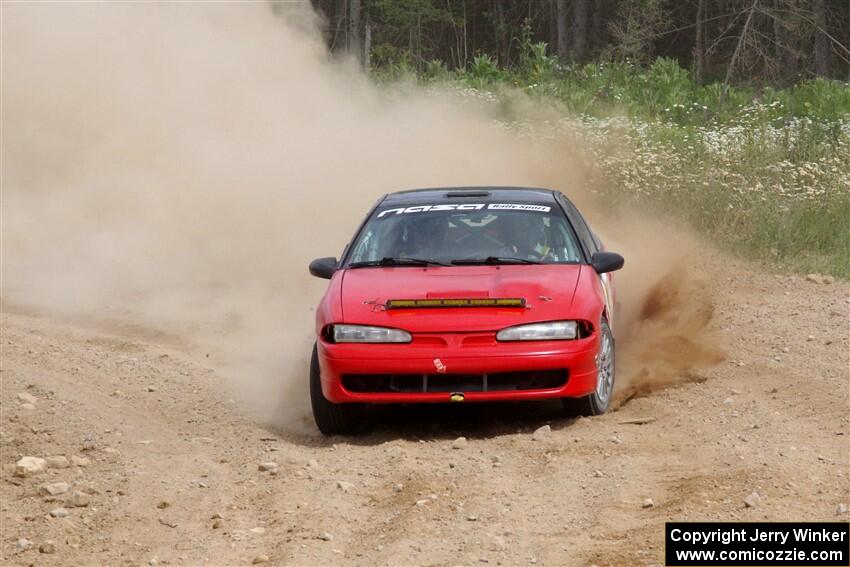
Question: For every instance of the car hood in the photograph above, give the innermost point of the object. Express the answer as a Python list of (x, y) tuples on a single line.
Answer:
[(548, 290)]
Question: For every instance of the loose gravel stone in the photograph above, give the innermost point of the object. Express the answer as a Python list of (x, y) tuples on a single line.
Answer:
[(27, 398), (542, 433), (54, 488), (80, 461), (58, 462), (752, 500), (29, 466), (60, 513), (48, 546), (459, 443), (78, 499), (268, 466)]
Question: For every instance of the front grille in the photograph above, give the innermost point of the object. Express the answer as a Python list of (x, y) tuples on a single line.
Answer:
[(496, 382)]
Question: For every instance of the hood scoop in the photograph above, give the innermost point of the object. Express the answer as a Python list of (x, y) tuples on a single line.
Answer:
[(457, 293)]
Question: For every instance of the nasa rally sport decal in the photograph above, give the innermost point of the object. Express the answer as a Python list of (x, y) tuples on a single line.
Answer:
[(465, 207)]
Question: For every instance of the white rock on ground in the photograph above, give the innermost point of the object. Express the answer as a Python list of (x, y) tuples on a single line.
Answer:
[(269, 466), (59, 513), (497, 543), (260, 559), (752, 500), (27, 398), (29, 466), (648, 503), (22, 544), (80, 461), (344, 486), (459, 443), (541, 433), (55, 488), (78, 499), (58, 462)]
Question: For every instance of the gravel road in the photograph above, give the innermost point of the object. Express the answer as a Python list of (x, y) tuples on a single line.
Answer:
[(163, 467)]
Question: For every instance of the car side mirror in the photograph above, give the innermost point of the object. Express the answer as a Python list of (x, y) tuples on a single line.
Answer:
[(604, 262), (323, 267)]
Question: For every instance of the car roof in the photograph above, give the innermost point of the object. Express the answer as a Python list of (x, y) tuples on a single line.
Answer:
[(484, 192)]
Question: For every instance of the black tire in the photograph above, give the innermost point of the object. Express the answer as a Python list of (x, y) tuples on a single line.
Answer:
[(594, 404), (331, 418)]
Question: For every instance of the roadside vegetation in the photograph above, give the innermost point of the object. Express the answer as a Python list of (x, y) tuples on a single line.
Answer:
[(731, 114), (763, 172)]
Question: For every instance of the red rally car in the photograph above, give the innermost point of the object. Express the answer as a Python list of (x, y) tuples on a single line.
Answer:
[(471, 294)]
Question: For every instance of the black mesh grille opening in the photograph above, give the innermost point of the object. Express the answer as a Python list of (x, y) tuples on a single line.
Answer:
[(497, 382)]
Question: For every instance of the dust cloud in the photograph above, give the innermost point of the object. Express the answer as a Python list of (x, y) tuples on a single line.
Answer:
[(666, 309), (178, 166)]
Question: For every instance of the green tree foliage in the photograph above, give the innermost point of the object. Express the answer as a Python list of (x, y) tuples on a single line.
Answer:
[(757, 42)]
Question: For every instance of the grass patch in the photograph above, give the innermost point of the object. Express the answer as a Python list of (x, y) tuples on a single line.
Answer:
[(764, 174)]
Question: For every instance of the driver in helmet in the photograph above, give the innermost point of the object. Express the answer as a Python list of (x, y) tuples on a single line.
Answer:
[(523, 236), (425, 236)]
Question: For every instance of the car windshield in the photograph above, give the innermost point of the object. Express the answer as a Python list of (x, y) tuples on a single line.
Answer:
[(458, 234)]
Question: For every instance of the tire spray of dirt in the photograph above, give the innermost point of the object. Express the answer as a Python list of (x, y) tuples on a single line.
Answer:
[(178, 166)]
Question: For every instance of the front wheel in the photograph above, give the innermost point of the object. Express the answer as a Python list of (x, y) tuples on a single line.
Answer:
[(598, 401), (331, 418)]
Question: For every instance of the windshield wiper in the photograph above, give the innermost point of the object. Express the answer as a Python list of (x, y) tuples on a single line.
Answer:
[(390, 261), (494, 260)]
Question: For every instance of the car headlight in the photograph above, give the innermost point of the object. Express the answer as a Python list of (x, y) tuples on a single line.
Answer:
[(551, 331), (367, 334)]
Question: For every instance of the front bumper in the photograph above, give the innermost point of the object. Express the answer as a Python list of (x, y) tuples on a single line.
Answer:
[(458, 354)]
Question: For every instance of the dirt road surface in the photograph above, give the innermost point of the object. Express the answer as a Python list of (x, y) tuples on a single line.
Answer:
[(170, 462)]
